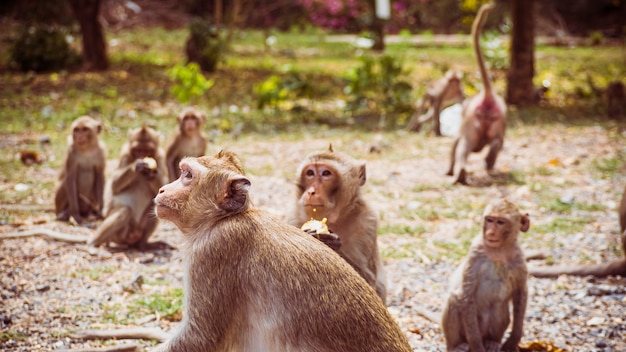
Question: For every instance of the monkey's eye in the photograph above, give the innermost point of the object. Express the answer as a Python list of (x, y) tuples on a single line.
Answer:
[(326, 173), (185, 174), (489, 219), (501, 222), (310, 172)]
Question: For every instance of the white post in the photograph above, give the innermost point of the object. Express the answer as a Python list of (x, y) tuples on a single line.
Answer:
[(383, 9)]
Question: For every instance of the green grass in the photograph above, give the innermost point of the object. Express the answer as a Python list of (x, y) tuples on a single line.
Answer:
[(565, 225), (168, 306)]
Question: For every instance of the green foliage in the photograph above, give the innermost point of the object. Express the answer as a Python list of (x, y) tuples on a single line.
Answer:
[(190, 83), (495, 50), (42, 48), (278, 89), (378, 86), (206, 45)]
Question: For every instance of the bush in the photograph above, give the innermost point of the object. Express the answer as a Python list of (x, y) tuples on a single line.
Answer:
[(40, 48), (205, 45), (189, 82)]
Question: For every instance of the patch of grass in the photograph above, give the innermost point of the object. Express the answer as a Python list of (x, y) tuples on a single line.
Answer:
[(168, 306), (11, 335), (404, 251), (543, 171), (562, 225), (401, 229), (93, 273), (608, 167), (557, 205), (110, 313)]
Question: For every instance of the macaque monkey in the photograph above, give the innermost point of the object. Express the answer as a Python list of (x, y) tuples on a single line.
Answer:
[(255, 283), (329, 186), (129, 218), (79, 194), (616, 267), (494, 273), (616, 99), (483, 116), (187, 141), (443, 92)]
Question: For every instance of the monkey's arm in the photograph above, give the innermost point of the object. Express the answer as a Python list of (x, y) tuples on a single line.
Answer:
[(71, 187), (468, 305), (123, 177), (171, 158), (99, 188), (520, 299)]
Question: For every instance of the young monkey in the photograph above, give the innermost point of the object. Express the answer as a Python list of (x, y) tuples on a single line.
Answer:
[(494, 273)]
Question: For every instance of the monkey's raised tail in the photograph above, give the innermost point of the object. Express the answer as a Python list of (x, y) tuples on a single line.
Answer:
[(477, 27), (617, 267)]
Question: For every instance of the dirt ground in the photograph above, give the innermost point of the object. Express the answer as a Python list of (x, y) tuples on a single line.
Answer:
[(50, 289)]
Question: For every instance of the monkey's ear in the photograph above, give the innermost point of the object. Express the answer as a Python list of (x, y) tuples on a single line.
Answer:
[(98, 127), (330, 147), (362, 174), (235, 193), (524, 223)]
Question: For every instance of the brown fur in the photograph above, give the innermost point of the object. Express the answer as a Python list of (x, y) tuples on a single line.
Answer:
[(80, 191), (483, 116), (338, 198), (476, 314), (254, 283), (129, 218), (439, 94), (188, 140)]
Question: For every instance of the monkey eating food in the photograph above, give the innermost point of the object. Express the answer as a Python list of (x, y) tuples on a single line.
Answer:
[(328, 186)]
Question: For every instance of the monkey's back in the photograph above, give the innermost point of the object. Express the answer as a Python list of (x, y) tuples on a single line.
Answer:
[(298, 294)]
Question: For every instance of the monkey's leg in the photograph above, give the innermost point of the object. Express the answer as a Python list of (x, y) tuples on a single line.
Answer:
[(453, 157), (494, 149), (61, 205), (462, 153), (148, 224), (452, 325), (114, 226)]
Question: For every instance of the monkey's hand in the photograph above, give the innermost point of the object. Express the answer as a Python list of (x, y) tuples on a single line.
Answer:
[(319, 230), (146, 166)]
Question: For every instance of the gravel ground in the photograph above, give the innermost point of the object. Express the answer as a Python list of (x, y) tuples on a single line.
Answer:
[(49, 289)]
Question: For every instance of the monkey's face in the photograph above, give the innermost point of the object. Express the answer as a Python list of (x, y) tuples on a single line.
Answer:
[(190, 123), (143, 150), (82, 135), (496, 231), (170, 201), (319, 182)]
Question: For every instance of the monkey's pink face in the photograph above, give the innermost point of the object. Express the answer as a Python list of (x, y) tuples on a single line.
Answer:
[(495, 231), (173, 196), (82, 135), (190, 123), (320, 183)]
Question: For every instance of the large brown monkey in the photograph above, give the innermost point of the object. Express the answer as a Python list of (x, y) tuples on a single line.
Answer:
[(494, 274), (616, 267), (254, 283), (483, 116), (187, 141), (129, 218), (81, 186), (329, 186)]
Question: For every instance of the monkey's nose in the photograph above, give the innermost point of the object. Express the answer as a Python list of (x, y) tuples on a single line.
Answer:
[(161, 190)]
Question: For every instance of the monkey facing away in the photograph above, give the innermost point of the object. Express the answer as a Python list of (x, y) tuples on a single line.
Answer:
[(483, 116), (129, 218), (188, 140), (80, 191), (616, 267), (329, 186), (439, 94), (476, 314), (255, 283)]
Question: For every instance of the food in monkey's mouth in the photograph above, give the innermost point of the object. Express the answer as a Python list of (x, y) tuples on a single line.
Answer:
[(150, 163), (319, 230)]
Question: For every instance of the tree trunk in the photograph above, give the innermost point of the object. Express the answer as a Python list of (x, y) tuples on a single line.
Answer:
[(520, 89), (94, 45), (377, 27)]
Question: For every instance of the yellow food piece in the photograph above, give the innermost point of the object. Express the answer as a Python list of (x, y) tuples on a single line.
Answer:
[(315, 225), (150, 163)]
